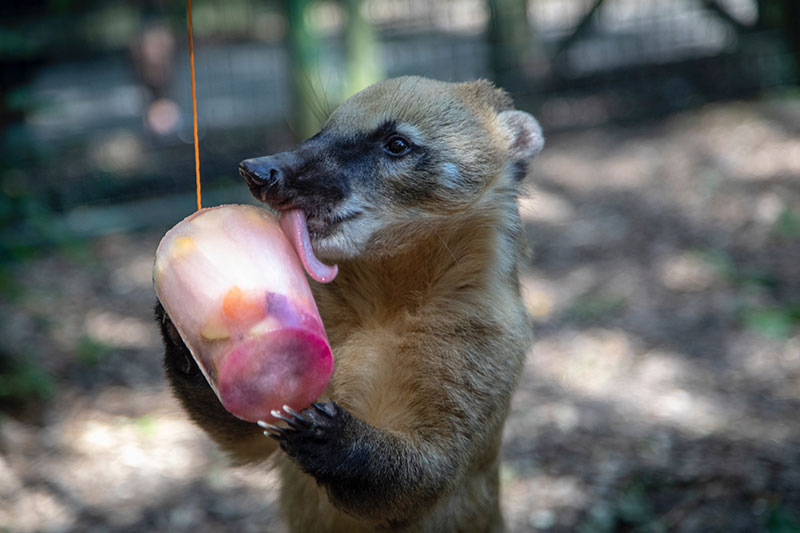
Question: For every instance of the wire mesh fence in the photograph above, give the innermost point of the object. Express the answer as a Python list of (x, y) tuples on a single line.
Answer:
[(98, 108)]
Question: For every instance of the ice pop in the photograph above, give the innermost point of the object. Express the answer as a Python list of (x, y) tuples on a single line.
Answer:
[(234, 286)]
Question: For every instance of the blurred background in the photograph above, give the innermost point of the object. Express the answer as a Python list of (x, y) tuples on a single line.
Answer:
[(663, 391)]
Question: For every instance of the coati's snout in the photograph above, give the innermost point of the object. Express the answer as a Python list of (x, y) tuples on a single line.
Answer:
[(403, 151), (264, 175), (305, 178), (322, 176)]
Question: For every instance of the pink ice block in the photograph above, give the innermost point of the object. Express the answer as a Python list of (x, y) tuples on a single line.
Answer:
[(234, 287)]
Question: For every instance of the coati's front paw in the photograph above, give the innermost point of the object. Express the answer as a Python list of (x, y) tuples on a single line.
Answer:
[(367, 472), (313, 427), (314, 437)]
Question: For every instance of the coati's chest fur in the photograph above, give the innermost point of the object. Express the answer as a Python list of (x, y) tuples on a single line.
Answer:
[(411, 188)]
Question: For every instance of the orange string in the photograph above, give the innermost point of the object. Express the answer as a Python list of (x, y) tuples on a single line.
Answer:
[(194, 107)]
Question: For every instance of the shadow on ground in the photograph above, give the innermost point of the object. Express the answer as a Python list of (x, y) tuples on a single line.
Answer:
[(661, 394)]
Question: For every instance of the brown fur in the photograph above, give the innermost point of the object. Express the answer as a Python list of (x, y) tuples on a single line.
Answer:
[(426, 322)]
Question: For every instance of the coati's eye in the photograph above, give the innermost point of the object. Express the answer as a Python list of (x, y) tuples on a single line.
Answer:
[(397, 146)]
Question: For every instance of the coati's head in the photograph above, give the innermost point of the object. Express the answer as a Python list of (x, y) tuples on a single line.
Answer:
[(403, 151)]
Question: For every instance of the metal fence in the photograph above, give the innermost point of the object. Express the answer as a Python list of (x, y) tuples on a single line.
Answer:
[(107, 121)]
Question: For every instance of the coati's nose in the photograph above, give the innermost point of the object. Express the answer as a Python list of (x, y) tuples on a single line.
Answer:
[(261, 171), (272, 178)]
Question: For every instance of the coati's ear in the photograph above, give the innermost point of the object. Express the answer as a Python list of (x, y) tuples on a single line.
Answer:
[(483, 92), (524, 134)]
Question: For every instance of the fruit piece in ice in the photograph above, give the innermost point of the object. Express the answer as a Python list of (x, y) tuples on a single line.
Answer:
[(285, 367), (214, 330), (265, 326), (182, 246), (242, 307)]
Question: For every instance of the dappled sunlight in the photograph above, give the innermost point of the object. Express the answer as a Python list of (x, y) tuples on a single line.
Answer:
[(31, 509), (745, 145), (120, 331), (644, 387), (662, 356), (597, 409), (775, 364), (685, 271), (539, 299), (117, 460), (95, 458), (542, 206), (535, 500), (666, 361)]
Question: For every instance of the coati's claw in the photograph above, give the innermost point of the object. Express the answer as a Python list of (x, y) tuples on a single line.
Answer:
[(295, 420), (269, 427), (327, 410), (271, 431), (294, 413), (274, 432), (280, 416), (310, 433)]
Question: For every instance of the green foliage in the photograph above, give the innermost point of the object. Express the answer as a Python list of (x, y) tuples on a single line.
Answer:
[(18, 43), (111, 25), (90, 352), (146, 425), (782, 520), (787, 225), (720, 262), (725, 267), (630, 510), (593, 307), (24, 379), (776, 322), (8, 286), (27, 224)]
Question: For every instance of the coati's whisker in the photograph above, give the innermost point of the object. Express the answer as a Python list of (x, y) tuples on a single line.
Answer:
[(447, 248)]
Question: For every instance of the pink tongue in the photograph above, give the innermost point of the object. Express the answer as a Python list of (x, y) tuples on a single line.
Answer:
[(293, 223)]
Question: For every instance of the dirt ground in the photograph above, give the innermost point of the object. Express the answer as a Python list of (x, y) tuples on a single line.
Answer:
[(662, 393)]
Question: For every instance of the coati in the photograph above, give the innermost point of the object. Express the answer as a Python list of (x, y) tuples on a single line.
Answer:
[(411, 187)]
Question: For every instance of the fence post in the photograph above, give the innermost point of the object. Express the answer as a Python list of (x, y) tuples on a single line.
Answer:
[(304, 57), (363, 49), (509, 40), (786, 16)]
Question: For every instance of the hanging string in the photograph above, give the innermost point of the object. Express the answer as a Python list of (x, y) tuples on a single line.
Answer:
[(194, 107)]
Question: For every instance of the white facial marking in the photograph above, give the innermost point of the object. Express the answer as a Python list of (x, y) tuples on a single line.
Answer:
[(451, 177), (348, 239), (350, 236), (410, 132)]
